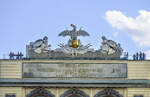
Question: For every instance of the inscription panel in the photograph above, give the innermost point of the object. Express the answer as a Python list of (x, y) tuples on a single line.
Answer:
[(74, 70)]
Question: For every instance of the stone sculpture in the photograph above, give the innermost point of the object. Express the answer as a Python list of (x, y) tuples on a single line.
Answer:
[(109, 46), (74, 42), (74, 48), (41, 45)]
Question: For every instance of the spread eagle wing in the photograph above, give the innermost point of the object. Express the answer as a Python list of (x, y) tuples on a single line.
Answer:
[(82, 33), (64, 33)]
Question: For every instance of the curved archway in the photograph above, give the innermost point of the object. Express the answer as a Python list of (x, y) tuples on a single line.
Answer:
[(108, 93), (74, 93), (40, 92)]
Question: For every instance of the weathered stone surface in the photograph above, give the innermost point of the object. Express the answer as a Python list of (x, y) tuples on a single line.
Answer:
[(60, 55), (74, 70)]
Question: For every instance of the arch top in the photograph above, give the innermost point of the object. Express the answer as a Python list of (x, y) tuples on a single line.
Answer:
[(108, 92), (40, 92), (74, 93)]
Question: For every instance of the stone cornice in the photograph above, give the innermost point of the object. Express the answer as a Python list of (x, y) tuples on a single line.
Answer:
[(74, 83)]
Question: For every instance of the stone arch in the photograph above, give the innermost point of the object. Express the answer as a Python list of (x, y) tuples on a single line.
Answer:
[(108, 93), (40, 92), (74, 93)]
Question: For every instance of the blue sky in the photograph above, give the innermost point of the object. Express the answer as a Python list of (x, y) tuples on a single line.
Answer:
[(24, 21)]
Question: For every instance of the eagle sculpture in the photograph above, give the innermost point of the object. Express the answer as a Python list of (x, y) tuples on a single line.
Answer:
[(74, 35)]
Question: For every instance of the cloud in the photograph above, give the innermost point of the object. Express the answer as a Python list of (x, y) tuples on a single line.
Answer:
[(137, 28)]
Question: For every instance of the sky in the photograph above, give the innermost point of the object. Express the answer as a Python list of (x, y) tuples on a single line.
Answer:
[(125, 21)]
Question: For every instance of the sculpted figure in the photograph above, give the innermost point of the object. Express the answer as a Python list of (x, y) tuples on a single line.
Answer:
[(41, 45), (109, 46), (74, 35), (74, 45)]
